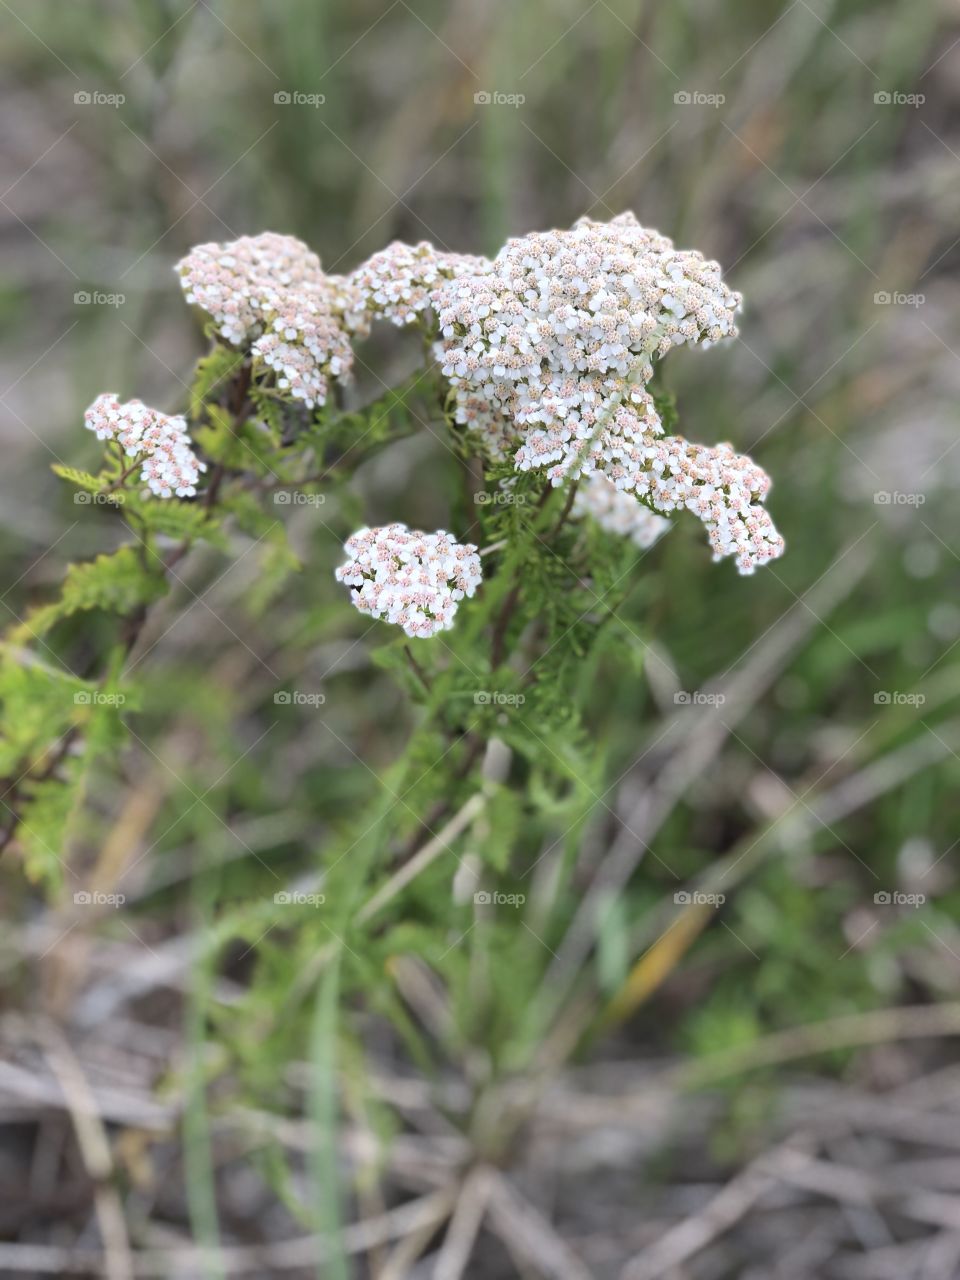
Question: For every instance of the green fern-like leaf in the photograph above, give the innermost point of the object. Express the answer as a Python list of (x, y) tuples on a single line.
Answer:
[(278, 562), (249, 447), (117, 583), (43, 826), (82, 479), (177, 520), (500, 827), (37, 704), (43, 712), (211, 376)]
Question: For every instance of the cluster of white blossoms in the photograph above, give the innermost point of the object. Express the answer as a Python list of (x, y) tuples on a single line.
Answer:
[(618, 513), (169, 464), (396, 284), (563, 323), (725, 490), (412, 579), (269, 294), (550, 349)]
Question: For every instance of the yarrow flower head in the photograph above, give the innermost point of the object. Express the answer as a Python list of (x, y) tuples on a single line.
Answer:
[(724, 489), (169, 464), (412, 579), (396, 284), (268, 293), (554, 343), (617, 512), (564, 323)]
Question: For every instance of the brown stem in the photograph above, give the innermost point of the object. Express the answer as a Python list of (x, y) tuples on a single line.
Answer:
[(498, 644), (472, 472), (51, 767), (128, 471), (415, 666)]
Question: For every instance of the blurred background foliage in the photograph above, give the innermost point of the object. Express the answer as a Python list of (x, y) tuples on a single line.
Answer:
[(819, 190)]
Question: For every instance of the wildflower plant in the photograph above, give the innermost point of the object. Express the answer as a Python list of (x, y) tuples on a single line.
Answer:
[(411, 579), (538, 393)]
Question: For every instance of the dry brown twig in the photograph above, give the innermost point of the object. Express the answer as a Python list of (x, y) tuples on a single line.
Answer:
[(734, 1202), (95, 1150), (471, 1205)]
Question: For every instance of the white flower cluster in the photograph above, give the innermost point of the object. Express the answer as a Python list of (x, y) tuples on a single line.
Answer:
[(409, 578), (724, 489), (169, 464), (617, 512), (554, 344), (397, 283), (564, 323), (269, 293)]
